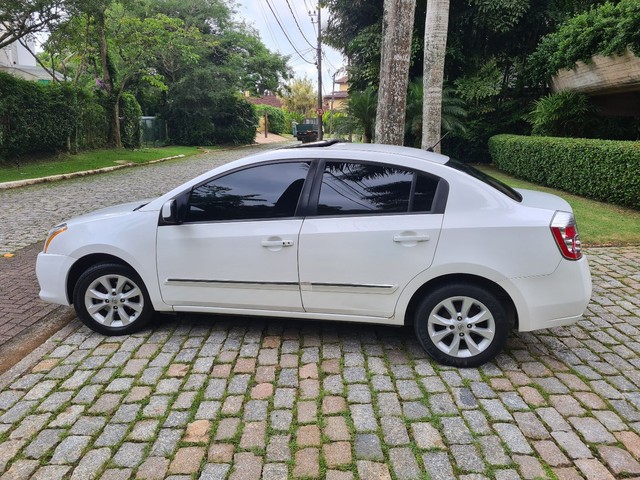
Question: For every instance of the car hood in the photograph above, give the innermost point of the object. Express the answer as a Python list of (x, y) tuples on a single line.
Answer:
[(114, 211), (535, 199)]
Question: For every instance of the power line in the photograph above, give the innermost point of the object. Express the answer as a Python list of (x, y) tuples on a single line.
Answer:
[(285, 33), (296, 10), (267, 23), (326, 59), (297, 24), (310, 8)]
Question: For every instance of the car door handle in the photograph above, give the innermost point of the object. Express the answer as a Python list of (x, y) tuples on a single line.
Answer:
[(411, 238), (277, 243)]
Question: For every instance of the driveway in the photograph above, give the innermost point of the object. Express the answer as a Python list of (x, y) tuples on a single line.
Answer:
[(225, 397)]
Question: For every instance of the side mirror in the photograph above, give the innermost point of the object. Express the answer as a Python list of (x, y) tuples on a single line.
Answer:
[(170, 213)]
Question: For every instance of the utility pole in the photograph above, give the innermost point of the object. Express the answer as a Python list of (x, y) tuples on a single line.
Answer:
[(319, 64), (333, 97)]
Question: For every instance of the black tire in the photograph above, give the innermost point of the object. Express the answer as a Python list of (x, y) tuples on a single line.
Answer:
[(126, 308), (477, 313)]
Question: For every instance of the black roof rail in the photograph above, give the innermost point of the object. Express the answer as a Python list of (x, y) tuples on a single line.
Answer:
[(321, 143)]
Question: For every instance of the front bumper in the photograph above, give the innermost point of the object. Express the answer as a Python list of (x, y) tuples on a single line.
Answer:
[(551, 300), (52, 272)]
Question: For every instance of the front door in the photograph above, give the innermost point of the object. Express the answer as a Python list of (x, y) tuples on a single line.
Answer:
[(238, 245)]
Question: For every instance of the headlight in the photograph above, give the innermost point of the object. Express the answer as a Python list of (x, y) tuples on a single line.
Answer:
[(53, 233)]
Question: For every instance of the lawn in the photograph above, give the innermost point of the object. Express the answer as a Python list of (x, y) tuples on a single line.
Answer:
[(599, 223), (67, 163)]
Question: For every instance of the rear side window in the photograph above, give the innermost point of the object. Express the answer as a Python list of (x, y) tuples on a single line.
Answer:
[(483, 177), (262, 192), (351, 188)]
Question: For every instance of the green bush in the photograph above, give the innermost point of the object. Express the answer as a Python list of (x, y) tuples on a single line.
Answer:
[(607, 29), (571, 114), (277, 123), (204, 110), (604, 170), (130, 112), (563, 114), (36, 119)]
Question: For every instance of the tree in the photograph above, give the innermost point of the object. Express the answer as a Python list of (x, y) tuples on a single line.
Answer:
[(435, 47), (258, 69), (397, 30), (300, 97), (487, 58), (21, 18), (452, 119), (123, 48), (230, 43)]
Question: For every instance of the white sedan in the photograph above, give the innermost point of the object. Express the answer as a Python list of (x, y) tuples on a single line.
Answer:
[(342, 232)]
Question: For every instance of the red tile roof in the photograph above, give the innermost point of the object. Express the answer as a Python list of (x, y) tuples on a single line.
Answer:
[(271, 100)]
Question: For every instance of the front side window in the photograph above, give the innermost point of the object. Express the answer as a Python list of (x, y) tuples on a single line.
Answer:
[(360, 188), (262, 192)]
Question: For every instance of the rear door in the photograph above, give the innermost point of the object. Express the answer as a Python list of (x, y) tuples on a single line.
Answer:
[(372, 229)]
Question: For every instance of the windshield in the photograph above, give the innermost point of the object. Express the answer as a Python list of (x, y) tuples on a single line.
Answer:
[(483, 177)]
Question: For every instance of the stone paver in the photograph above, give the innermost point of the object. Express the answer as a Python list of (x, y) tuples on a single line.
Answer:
[(215, 397)]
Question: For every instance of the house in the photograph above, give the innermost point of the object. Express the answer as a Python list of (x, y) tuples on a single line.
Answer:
[(612, 83), (338, 99), (17, 60)]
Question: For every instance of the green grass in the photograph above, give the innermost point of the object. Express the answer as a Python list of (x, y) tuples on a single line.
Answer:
[(67, 163), (600, 224)]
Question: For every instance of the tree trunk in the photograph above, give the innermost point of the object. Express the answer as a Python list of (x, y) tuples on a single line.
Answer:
[(114, 140), (435, 46), (397, 30)]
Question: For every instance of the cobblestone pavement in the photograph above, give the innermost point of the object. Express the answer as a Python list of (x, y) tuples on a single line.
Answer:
[(221, 397), (28, 213)]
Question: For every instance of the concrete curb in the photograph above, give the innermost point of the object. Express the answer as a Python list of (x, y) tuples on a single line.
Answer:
[(66, 176)]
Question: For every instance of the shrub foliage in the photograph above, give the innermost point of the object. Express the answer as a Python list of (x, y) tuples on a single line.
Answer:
[(277, 123), (205, 112), (604, 170), (130, 111), (37, 118), (608, 29)]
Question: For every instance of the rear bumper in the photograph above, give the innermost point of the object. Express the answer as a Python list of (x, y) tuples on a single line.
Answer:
[(52, 271), (551, 300)]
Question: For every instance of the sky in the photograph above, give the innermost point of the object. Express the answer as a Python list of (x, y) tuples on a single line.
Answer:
[(259, 14)]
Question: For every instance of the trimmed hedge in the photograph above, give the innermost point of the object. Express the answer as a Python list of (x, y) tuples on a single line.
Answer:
[(604, 170), (37, 118)]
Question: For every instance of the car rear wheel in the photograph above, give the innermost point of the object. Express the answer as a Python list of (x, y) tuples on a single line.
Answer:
[(461, 325), (111, 299)]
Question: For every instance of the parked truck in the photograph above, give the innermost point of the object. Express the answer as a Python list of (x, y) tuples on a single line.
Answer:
[(306, 132)]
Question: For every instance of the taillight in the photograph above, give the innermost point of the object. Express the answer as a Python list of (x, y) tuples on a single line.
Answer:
[(565, 233)]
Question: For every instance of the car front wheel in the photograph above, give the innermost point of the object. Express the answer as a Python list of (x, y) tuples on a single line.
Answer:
[(111, 299), (461, 325)]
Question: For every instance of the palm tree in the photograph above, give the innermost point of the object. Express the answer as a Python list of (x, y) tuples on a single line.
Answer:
[(451, 120), (435, 45), (362, 109), (397, 30)]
